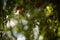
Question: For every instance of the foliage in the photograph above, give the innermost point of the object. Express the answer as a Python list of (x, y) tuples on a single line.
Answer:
[(30, 18)]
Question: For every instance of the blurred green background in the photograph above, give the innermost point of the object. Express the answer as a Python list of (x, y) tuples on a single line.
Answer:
[(29, 20)]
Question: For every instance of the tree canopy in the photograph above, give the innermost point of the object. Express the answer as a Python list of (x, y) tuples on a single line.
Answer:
[(29, 19)]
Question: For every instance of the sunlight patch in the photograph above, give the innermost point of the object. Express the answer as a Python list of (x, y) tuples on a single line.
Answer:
[(25, 27), (21, 37), (40, 38), (36, 32), (28, 15), (24, 22), (12, 23), (17, 12)]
